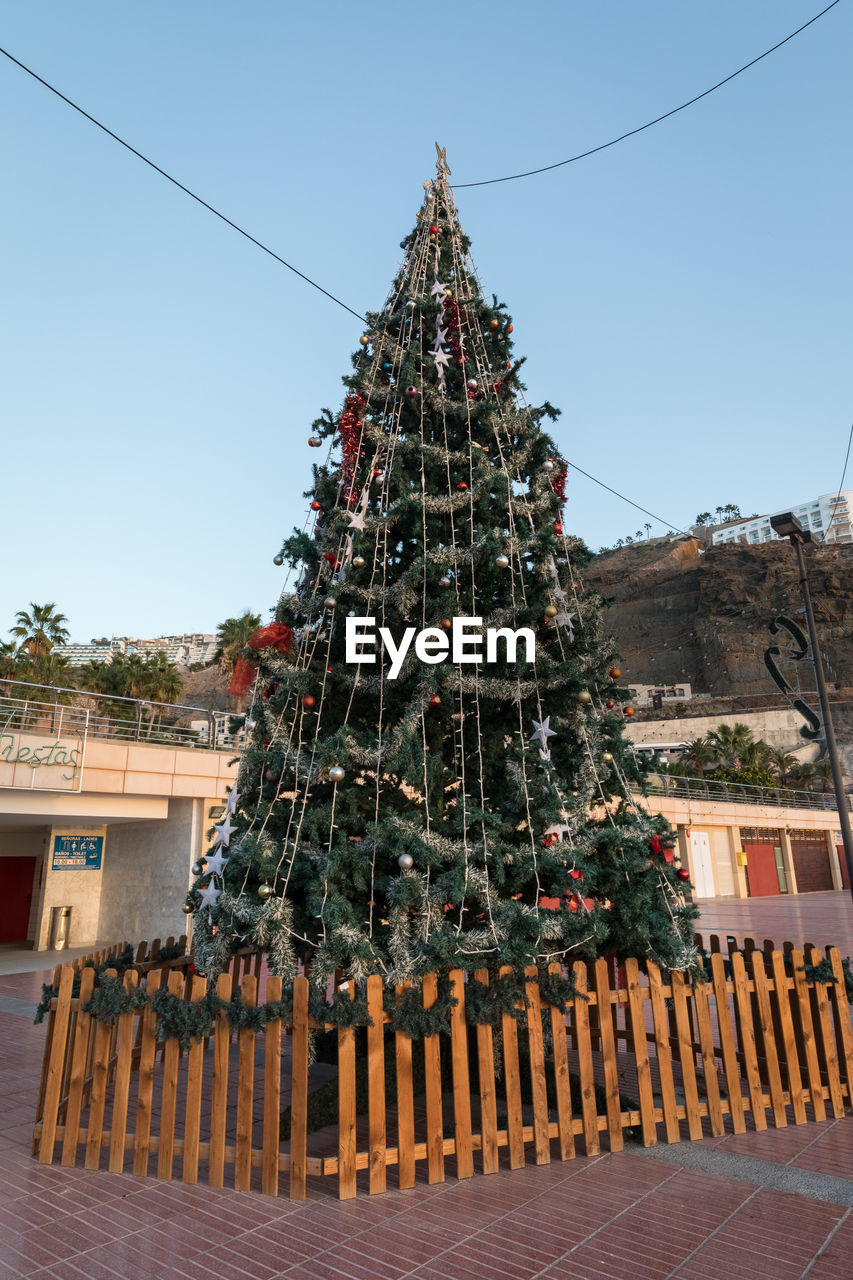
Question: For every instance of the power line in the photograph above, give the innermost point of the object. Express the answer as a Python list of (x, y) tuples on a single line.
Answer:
[(630, 502), (657, 120), (840, 483), (180, 185), (277, 257)]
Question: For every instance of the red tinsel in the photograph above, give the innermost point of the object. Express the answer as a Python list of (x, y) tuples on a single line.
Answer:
[(655, 844), (454, 315), (350, 429), (558, 484), (273, 636), (332, 559)]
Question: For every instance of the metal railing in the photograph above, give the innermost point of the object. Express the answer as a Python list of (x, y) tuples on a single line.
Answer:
[(660, 784), (49, 709)]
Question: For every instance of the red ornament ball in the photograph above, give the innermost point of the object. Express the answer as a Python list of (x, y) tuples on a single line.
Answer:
[(308, 701), (462, 486), (610, 704), (435, 701), (683, 873), (629, 711), (558, 528), (615, 673), (446, 624), (433, 230), (316, 506), (509, 328), (377, 471)]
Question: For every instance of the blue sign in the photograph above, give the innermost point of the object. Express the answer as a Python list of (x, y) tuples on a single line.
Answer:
[(77, 853)]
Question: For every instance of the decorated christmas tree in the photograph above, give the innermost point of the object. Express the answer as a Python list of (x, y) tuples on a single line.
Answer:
[(435, 772)]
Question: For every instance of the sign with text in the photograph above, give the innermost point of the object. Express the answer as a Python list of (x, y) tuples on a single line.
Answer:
[(77, 853), (38, 759)]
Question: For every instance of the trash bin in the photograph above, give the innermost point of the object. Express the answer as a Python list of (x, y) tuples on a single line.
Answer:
[(60, 927)]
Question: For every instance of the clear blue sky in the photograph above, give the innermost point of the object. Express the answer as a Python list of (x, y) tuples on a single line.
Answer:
[(684, 297)]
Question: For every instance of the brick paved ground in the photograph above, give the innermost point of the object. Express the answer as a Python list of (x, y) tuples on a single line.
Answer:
[(825, 919), (647, 1216)]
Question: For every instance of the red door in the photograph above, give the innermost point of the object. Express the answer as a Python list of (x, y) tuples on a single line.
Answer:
[(842, 862), (761, 868), (16, 891)]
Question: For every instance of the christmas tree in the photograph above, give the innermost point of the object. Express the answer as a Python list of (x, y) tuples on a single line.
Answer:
[(418, 792)]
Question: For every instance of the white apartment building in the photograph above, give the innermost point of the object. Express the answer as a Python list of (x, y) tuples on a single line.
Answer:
[(828, 519), (184, 651)]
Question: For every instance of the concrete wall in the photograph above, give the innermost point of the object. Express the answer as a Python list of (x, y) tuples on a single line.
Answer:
[(779, 728), (147, 872), (78, 889)]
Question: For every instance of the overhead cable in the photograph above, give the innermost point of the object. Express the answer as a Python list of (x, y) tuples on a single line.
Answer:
[(529, 173)]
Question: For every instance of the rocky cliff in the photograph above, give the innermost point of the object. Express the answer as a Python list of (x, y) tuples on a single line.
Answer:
[(682, 612)]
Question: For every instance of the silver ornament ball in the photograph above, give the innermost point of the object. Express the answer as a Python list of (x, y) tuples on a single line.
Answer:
[(502, 562), (337, 773), (279, 560), (406, 861), (548, 465), (444, 582)]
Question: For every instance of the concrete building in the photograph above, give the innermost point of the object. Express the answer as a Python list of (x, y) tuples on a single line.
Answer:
[(828, 518), (649, 695), (185, 650), (107, 827)]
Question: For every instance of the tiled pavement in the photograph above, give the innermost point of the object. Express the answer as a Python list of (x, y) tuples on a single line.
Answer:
[(606, 1218)]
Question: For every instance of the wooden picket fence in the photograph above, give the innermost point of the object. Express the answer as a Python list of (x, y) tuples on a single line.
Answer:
[(694, 1059)]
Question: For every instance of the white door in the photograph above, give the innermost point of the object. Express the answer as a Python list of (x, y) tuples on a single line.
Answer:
[(701, 864)]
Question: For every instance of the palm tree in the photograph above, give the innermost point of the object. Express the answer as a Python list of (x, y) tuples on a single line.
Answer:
[(822, 775), (783, 764), (703, 518), (9, 667), (698, 756), (731, 744), (233, 635), (37, 632), (648, 529), (718, 511), (801, 776)]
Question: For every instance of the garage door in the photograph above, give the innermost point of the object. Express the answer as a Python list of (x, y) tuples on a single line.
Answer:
[(811, 861), (763, 862)]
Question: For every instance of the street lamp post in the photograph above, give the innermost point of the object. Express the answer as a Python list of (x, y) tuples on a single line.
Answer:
[(788, 526)]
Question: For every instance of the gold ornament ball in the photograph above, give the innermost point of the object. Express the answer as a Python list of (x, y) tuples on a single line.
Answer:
[(584, 695), (330, 603), (187, 909), (364, 339), (265, 891), (606, 757), (358, 562), (494, 324), (615, 673), (551, 611)]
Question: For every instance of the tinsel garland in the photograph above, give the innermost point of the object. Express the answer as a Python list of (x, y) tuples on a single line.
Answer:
[(350, 429), (558, 484), (190, 1021), (119, 963)]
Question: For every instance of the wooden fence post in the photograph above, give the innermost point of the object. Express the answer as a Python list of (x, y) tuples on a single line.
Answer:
[(377, 1177), (299, 1090), (488, 1093), (56, 1065), (272, 1095), (245, 1091), (405, 1104)]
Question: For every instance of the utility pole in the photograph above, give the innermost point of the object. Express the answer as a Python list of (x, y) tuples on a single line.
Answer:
[(788, 526)]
